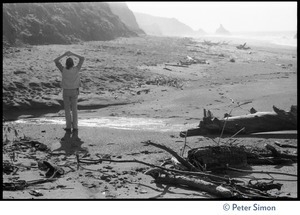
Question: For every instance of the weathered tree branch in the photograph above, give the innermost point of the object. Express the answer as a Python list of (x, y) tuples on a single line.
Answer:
[(199, 174), (260, 172)]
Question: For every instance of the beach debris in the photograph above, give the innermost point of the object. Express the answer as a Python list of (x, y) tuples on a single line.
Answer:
[(244, 47), (167, 69), (284, 66), (232, 60), (25, 153), (196, 183), (8, 167), (17, 72), (165, 81), (13, 186), (22, 184), (51, 170), (146, 91), (264, 186), (285, 145), (192, 60), (26, 143), (209, 43), (35, 193), (188, 60), (177, 65), (143, 191), (225, 42), (277, 120)]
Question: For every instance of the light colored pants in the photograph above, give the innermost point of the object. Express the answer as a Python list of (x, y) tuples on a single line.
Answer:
[(70, 97)]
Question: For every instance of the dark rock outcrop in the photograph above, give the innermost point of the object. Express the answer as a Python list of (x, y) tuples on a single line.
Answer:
[(126, 15), (60, 23), (222, 31)]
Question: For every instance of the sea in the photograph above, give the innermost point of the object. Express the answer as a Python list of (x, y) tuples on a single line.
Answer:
[(282, 38), (285, 38)]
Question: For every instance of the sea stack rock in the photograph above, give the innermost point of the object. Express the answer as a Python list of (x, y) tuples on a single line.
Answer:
[(222, 31)]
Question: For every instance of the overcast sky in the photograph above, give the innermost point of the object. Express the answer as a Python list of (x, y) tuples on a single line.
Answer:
[(234, 16)]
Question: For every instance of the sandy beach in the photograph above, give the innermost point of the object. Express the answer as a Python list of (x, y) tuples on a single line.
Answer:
[(132, 92)]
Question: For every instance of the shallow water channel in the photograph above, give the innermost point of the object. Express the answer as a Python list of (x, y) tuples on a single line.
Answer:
[(150, 124)]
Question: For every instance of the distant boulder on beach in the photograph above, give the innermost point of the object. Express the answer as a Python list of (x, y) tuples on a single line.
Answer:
[(222, 31)]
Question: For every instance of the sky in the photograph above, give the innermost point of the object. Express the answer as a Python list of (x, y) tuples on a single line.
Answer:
[(234, 16)]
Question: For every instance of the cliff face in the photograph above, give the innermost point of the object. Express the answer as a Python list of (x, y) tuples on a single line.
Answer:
[(126, 15), (161, 26), (60, 23)]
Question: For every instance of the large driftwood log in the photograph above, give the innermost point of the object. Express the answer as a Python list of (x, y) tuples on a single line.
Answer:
[(277, 120), (221, 191)]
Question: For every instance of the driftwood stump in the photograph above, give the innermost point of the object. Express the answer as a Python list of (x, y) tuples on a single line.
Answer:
[(215, 157), (220, 157)]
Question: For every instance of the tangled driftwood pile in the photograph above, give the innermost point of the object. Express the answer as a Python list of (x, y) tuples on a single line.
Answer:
[(27, 148), (204, 168), (22, 154)]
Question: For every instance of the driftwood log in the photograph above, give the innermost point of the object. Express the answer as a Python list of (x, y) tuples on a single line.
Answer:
[(242, 47), (22, 184), (199, 184), (177, 65), (277, 120)]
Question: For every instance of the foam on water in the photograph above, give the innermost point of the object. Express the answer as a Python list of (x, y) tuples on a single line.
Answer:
[(145, 124), (284, 38)]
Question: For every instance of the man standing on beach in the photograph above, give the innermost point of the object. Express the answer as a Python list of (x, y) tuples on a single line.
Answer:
[(70, 84)]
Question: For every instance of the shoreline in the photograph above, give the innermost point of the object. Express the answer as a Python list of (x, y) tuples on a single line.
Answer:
[(259, 39)]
